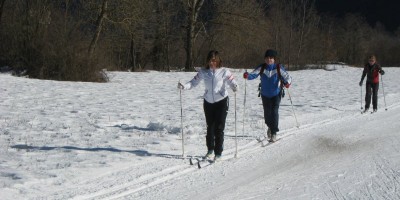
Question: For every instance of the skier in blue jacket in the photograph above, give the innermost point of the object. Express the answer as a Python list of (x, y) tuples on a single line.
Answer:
[(216, 102), (273, 77)]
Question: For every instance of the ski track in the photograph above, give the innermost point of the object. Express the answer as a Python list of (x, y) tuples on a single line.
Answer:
[(125, 184), (146, 181), (129, 188)]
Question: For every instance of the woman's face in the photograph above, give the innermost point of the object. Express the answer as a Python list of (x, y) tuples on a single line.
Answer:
[(371, 61), (213, 63), (269, 60)]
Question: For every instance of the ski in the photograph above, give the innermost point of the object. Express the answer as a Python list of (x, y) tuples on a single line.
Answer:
[(261, 139), (204, 162), (200, 162), (209, 162), (191, 161), (269, 142)]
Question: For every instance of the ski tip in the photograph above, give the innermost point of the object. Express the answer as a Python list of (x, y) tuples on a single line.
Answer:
[(271, 142), (191, 161)]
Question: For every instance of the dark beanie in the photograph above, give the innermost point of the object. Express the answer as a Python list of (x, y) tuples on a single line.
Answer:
[(270, 53)]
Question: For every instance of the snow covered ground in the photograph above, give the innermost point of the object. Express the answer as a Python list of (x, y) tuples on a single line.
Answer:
[(122, 140)]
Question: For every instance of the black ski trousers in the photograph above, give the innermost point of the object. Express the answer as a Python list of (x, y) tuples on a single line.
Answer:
[(215, 117), (271, 112), (371, 90)]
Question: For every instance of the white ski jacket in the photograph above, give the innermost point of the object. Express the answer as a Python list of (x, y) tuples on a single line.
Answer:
[(215, 83)]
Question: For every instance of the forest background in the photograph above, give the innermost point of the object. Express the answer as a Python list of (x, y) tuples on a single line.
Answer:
[(77, 40)]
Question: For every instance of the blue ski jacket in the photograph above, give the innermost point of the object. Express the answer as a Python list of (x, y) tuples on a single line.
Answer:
[(270, 84)]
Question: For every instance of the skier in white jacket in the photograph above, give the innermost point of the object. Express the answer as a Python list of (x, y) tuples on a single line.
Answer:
[(216, 100)]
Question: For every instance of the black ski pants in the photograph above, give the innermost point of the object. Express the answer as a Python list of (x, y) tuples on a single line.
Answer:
[(271, 112), (371, 90), (215, 117)]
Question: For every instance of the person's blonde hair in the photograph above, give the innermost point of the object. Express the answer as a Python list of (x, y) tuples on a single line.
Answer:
[(213, 55)]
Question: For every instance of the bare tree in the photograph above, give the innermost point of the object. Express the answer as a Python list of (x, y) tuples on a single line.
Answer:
[(99, 27), (291, 19), (292, 23), (1, 8), (129, 20), (193, 9), (240, 31), (351, 39), (166, 32), (307, 7)]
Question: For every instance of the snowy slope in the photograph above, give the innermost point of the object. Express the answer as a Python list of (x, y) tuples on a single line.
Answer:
[(122, 140)]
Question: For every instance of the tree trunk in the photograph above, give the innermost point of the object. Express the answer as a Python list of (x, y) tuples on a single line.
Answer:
[(99, 27), (303, 24), (132, 55), (1, 8), (291, 9), (193, 11)]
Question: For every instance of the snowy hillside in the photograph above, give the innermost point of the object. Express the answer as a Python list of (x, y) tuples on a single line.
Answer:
[(122, 140)]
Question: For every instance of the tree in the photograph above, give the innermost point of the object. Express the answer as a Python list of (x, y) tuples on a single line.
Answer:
[(1, 8), (239, 30), (352, 39), (167, 34), (99, 27), (193, 9), (305, 24), (127, 23)]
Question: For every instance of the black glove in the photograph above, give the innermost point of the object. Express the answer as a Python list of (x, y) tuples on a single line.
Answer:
[(360, 83), (180, 86), (382, 72)]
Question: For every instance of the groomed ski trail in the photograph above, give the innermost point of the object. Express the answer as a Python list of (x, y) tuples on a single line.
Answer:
[(322, 151), (106, 186)]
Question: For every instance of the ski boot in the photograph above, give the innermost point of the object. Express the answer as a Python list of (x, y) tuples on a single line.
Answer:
[(269, 135), (217, 158), (273, 138), (366, 110), (209, 154)]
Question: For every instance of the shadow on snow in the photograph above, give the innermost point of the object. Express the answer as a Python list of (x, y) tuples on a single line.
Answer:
[(142, 153)]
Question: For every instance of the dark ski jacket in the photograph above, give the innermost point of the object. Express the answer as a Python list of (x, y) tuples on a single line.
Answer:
[(372, 73)]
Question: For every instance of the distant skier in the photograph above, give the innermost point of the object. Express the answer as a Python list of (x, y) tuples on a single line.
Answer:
[(216, 101), (371, 70), (273, 78)]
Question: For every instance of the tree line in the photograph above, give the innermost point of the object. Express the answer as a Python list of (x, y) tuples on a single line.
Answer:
[(75, 39)]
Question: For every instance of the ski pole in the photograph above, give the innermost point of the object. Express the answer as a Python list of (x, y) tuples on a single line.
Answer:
[(383, 90), (183, 138), (235, 130), (361, 98), (244, 102), (290, 98)]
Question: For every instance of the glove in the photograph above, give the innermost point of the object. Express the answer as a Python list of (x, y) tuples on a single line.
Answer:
[(235, 89), (360, 83), (287, 85), (180, 86), (382, 72), (245, 75)]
